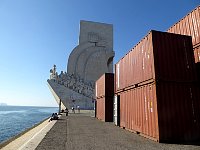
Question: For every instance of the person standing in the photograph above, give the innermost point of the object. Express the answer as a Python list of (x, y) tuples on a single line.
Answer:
[(78, 108), (66, 111), (73, 110)]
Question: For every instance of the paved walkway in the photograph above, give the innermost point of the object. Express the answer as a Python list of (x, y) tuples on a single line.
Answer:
[(81, 132)]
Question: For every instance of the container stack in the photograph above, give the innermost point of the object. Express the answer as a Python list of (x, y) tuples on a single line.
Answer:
[(155, 83), (104, 97), (190, 25)]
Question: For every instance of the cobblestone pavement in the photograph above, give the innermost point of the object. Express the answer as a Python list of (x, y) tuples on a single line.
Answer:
[(81, 132)]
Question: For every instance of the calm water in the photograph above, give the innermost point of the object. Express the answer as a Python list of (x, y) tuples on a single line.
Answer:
[(15, 119)]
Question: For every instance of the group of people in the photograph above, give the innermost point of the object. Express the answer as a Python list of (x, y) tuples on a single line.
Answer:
[(54, 116), (73, 109)]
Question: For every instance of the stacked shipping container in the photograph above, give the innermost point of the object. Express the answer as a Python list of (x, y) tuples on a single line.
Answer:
[(190, 25), (156, 85), (161, 56), (104, 97)]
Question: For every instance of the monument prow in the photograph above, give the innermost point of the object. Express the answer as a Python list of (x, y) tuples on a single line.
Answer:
[(87, 62)]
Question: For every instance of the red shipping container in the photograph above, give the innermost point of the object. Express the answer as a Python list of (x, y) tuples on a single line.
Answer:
[(189, 25), (158, 56), (104, 97), (100, 109), (104, 109), (162, 111), (105, 85)]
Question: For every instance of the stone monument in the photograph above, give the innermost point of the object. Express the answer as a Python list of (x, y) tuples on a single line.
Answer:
[(87, 62)]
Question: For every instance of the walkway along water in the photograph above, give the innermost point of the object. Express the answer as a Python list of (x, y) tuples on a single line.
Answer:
[(83, 132)]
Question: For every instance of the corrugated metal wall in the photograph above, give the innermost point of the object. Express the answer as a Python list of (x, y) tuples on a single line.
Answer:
[(178, 117), (189, 25), (164, 111), (100, 109), (138, 110), (136, 66), (159, 55), (104, 109), (173, 57)]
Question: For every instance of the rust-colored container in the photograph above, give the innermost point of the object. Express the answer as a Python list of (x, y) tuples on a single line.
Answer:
[(162, 111), (100, 109), (104, 109), (105, 85), (189, 25), (104, 97), (158, 56)]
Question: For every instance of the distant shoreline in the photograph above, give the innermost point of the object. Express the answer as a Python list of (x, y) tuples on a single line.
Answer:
[(3, 104), (30, 106)]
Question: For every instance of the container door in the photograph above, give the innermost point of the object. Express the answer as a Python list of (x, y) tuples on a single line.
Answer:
[(116, 110)]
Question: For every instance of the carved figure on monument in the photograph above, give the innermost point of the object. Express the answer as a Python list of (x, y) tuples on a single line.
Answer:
[(87, 62), (53, 73)]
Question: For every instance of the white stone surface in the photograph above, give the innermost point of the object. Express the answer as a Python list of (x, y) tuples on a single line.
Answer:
[(101, 33), (94, 54)]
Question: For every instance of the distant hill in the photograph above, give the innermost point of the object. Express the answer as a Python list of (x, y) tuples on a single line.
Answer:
[(3, 104)]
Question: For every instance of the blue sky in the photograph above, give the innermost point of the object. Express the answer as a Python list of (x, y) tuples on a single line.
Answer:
[(35, 34)]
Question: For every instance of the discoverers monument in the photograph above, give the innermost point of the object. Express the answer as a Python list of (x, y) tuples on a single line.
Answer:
[(92, 57)]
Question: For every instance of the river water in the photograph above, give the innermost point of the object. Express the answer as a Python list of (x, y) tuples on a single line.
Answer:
[(16, 119)]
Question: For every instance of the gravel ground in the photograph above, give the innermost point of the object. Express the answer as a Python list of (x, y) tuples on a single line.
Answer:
[(82, 132)]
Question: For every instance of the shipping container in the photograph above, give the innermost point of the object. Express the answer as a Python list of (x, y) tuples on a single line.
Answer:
[(104, 109), (105, 85), (158, 56), (100, 109), (189, 25), (104, 88), (162, 111)]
